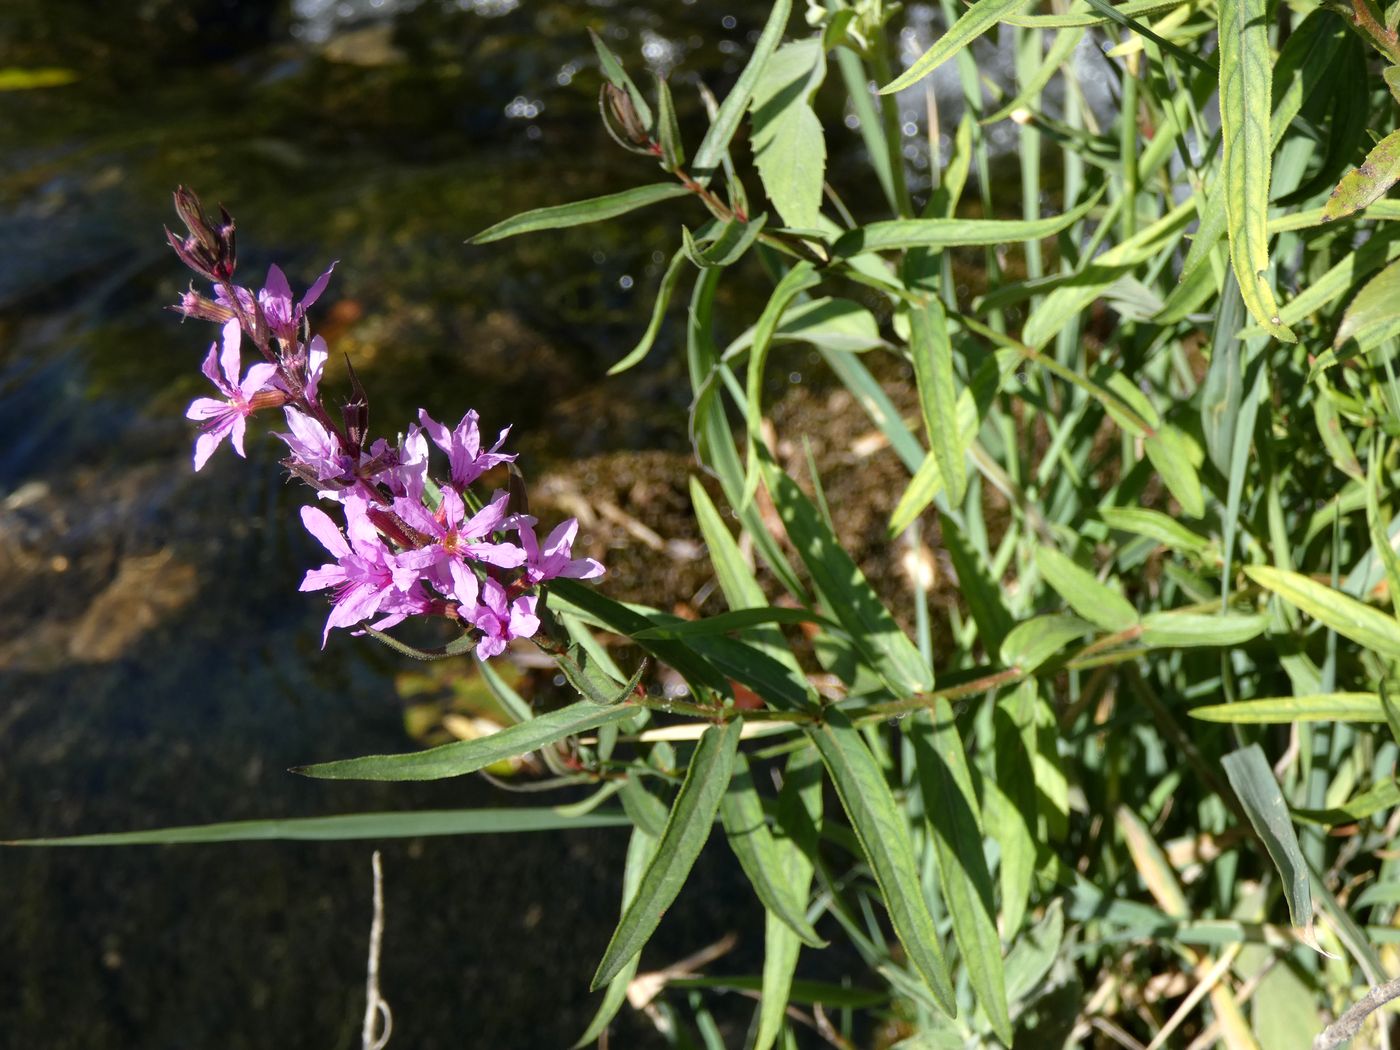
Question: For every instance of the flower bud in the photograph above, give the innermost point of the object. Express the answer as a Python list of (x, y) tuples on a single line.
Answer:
[(209, 250), (618, 105), (192, 304)]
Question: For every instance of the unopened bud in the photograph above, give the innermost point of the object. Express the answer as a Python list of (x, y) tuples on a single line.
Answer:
[(617, 104), (209, 250), (192, 304)]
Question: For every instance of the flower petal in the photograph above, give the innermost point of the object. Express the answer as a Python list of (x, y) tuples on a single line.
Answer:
[(231, 359), (320, 525)]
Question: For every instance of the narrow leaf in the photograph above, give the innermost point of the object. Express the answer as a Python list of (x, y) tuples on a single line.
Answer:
[(1375, 312), (1186, 629), (1344, 614), (975, 21), (1367, 184), (951, 233), (1034, 641), (467, 756), (687, 828), (716, 141), (669, 279), (1096, 602), (1153, 524), (580, 213), (349, 827), (616, 75), (1170, 453), (1246, 105), (1263, 803), (1316, 707), (938, 394), (752, 843), (884, 837)]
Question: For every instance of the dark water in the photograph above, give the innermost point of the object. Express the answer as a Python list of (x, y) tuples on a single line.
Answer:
[(157, 665)]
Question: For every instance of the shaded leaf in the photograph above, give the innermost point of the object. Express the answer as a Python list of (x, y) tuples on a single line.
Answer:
[(1263, 802), (938, 394)]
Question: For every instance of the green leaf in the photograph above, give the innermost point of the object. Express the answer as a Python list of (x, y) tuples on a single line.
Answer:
[(467, 756), (668, 128), (1391, 711), (1246, 105), (669, 279), (1262, 799), (952, 233), (1034, 641), (1334, 438), (832, 324), (1142, 521), (973, 22), (844, 590), (349, 827), (794, 282), (1367, 184), (641, 850), (1392, 81), (927, 481), (1170, 453), (1186, 629), (735, 238), (687, 828), (840, 996), (1066, 40), (884, 837), (1376, 799), (1010, 806), (1375, 312), (788, 145), (1344, 614), (580, 213), (1223, 389), (617, 76), (1031, 957), (737, 620), (1316, 707), (950, 806), (14, 78), (1379, 527), (716, 142), (938, 394), (1096, 602), (595, 686), (753, 845)]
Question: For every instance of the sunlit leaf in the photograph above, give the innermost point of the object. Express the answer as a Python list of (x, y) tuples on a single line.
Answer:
[(972, 23), (580, 213), (1368, 183), (1345, 615)]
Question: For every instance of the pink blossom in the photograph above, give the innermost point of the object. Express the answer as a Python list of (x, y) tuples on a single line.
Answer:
[(314, 448), (499, 622), (366, 577), (463, 447), (284, 315), (554, 560), (456, 540), (227, 418)]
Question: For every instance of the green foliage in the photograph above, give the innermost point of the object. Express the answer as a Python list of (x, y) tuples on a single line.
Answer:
[(1148, 466)]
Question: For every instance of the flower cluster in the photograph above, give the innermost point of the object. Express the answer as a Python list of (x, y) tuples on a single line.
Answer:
[(412, 544)]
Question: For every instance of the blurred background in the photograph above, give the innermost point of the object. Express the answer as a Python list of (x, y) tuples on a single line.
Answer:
[(157, 665)]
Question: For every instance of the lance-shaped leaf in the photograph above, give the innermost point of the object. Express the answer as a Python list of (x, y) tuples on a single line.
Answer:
[(1367, 184), (731, 110), (1170, 452), (1142, 521), (736, 620), (844, 589), (728, 247), (669, 279), (594, 685), (687, 828), (1375, 312), (752, 843), (951, 809), (467, 756), (950, 233), (580, 213), (1186, 629), (799, 817), (1031, 643), (668, 130), (1382, 796), (880, 827), (1096, 602), (1343, 613), (349, 827), (1316, 707), (1246, 106), (938, 394), (1264, 805), (788, 145), (641, 850), (975, 21)]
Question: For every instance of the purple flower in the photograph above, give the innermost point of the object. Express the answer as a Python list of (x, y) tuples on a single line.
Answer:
[(499, 621), (366, 576), (455, 541), (284, 315), (554, 560), (463, 447), (314, 448), (227, 418)]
